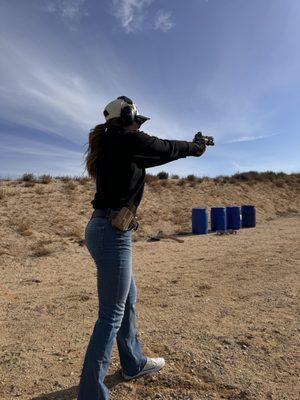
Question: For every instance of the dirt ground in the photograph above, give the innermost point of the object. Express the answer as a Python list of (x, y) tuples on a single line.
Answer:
[(221, 310)]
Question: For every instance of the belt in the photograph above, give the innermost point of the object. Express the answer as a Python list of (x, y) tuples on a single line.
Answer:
[(104, 212), (109, 213)]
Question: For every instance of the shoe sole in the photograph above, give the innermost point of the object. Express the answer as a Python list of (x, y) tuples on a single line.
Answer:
[(147, 372)]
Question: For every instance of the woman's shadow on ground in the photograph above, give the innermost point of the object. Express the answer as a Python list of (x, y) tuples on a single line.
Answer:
[(71, 393)]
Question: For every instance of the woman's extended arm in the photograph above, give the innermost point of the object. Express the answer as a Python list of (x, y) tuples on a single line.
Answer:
[(150, 151)]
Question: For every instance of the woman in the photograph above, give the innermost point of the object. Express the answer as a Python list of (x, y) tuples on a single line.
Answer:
[(117, 156)]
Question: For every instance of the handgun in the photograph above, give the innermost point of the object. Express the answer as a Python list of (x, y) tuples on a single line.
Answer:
[(208, 140)]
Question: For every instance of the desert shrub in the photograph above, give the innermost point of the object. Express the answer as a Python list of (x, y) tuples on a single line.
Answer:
[(66, 178), (45, 179), (150, 178), (268, 176), (192, 183), (28, 177), (163, 175), (204, 179), (181, 182), (233, 180), (174, 176), (191, 178), (81, 179), (225, 179), (220, 179)]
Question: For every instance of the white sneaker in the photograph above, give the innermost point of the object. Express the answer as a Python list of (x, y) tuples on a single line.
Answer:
[(152, 365)]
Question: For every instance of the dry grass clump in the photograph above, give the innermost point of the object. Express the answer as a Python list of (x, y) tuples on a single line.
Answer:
[(39, 190), (75, 231), (164, 183), (29, 184), (83, 180), (2, 193), (69, 185), (64, 178), (45, 179), (155, 184), (22, 227), (39, 249), (150, 178), (221, 179)]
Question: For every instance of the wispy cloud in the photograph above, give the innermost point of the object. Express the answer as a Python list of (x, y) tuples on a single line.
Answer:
[(164, 21), (41, 97), (249, 138), (131, 13), (35, 148), (70, 11)]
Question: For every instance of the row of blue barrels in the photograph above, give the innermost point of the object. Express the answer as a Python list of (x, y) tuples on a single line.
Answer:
[(223, 218)]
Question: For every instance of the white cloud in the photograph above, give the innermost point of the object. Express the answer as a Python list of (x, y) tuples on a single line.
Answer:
[(69, 11), (131, 13), (40, 96), (249, 138), (163, 21)]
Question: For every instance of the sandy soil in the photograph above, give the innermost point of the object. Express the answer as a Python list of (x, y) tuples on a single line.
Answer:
[(221, 310)]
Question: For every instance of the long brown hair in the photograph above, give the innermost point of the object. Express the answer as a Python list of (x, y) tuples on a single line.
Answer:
[(96, 136)]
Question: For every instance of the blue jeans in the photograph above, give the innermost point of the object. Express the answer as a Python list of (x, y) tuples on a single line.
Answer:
[(111, 250)]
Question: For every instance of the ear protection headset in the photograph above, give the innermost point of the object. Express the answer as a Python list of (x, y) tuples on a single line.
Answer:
[(128, 113)]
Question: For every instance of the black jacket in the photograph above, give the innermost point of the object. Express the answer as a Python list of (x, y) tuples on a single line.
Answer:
[(122, 162)]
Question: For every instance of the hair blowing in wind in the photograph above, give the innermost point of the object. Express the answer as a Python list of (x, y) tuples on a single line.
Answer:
[(94, 146)]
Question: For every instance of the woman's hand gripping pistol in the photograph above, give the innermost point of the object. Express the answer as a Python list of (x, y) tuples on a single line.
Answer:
[(202, 141)]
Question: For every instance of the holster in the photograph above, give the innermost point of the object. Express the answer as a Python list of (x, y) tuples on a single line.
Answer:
[(124, 219)]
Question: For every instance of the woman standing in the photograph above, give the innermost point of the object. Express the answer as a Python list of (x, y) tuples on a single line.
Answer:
[(116, 159)]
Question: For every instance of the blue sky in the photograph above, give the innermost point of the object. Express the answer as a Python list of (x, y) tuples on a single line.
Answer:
[(227, 67)]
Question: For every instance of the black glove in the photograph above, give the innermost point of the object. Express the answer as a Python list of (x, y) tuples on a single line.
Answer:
[(202, 141), (200, 145)]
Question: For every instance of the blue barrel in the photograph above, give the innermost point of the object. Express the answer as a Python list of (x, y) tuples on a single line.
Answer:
[(233, 215), (248, 216), (218, 219), (199, 221)]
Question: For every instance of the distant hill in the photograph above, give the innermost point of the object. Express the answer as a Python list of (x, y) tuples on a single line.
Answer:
[(48, 208)]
